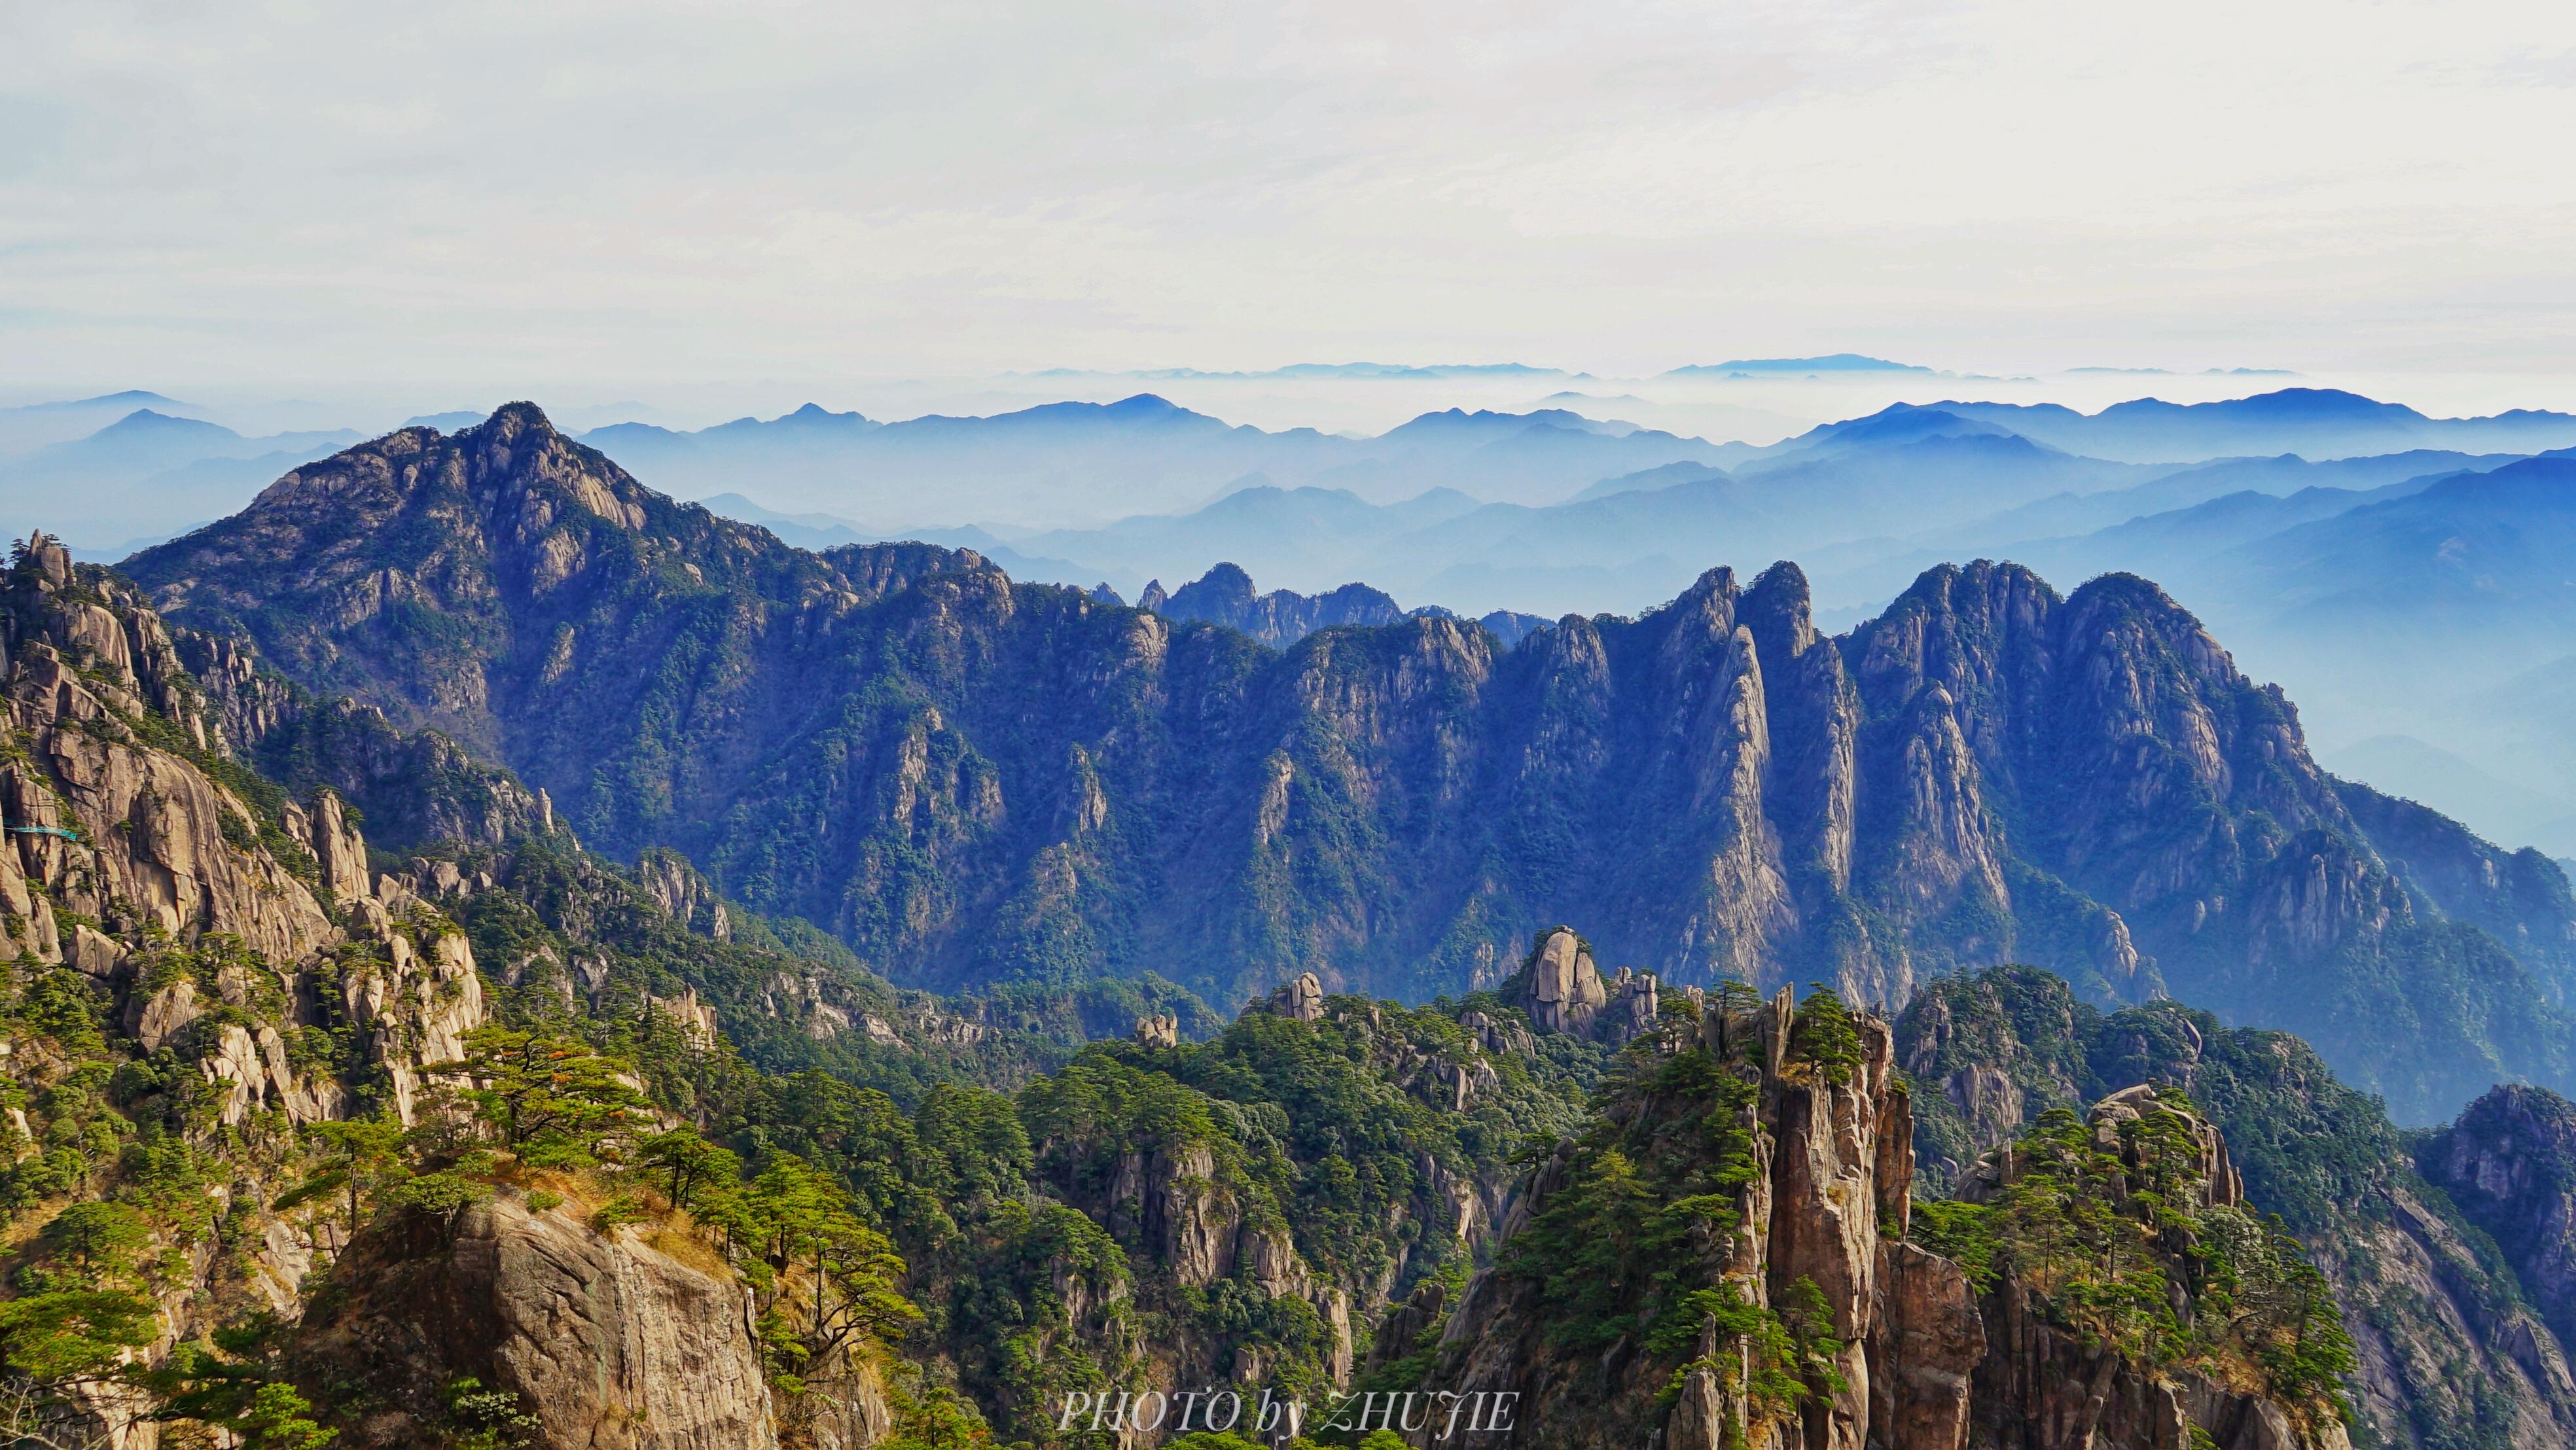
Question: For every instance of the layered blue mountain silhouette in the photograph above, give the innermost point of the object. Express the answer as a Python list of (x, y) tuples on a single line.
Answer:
[(1841, 362), (2336, 541), (2311, 422), (148, 474), (1088, 462)]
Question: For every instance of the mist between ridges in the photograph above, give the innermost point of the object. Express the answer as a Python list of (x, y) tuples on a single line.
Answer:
[(1449, 1413)]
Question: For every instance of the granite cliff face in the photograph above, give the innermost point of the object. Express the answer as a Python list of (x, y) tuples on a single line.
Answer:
[(609, 1342), (1792, 1307), (971, 780), (127, 815), (2450, 1351), (226, 970), (2510, 1165)]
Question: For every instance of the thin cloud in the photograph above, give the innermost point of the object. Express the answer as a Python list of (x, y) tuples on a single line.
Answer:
[(597, 192)]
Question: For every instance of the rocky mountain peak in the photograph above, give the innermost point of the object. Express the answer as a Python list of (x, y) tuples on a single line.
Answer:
[(1777, 609), (1225, 595), (1221, 587)]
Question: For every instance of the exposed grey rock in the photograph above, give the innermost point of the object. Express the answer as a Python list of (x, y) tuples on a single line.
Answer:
[(1564, 991), (611, 1343), (157, 1019), (690, 899), (1302, 997), (2510, 1165)]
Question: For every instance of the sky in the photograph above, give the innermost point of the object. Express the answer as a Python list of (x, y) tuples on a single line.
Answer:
[(460, 201)]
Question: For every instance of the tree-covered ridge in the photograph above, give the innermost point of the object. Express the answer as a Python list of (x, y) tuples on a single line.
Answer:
[(572, 936), (2443, 1328), (972, 781), (1997, 1049), (2126, 1229), (1370, 1116), (1244, 1201)]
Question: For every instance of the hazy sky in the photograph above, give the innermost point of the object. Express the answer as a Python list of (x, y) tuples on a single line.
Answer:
[(523, 197)]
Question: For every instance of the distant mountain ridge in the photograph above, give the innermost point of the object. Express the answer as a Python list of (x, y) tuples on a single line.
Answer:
[(30, 426), (1143, 451), (1840, 362), (2312, 422), (144, 441), (1280, 618), (1369, 370), (149, 474), (1948, 480), (973, 780)]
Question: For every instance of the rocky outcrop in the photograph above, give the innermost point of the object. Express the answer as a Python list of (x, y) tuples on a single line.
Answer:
[(2510, 1165), (612, 1343), (1562, 991), (1923, 1346), (251, 1071), (1825, 1211), (128, 835), (116, 798), (2043, 1388), (1301, 997), (677, 888), (1498, 1034), (1224, 595), (1920, 1358), (2042, 1385), (2448, 1354), (415, 1000)]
